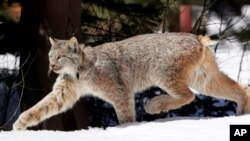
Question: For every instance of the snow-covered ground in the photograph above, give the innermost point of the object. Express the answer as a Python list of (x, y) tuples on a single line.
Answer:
[(173, 129)]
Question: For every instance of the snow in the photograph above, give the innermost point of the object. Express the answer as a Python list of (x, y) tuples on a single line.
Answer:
[(9, 61), (173, 129), (230, 51)]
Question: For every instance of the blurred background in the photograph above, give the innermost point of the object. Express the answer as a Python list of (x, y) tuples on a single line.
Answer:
[(25, 26)]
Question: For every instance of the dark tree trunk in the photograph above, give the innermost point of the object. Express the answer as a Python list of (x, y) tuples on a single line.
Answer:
[(62, 19)]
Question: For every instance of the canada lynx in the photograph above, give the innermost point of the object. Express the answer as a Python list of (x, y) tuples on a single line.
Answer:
[(115, 71)]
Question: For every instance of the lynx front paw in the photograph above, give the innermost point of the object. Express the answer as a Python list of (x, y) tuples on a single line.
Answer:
[(25, 120), (19, 125)]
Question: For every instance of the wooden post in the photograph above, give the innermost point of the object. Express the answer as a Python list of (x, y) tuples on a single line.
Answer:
[(185, 18), (62, 18)]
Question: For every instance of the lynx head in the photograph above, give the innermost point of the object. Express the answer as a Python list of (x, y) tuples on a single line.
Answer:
[(64, 57)]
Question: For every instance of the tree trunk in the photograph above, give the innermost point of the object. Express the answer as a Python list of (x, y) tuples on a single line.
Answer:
[(62, 19)]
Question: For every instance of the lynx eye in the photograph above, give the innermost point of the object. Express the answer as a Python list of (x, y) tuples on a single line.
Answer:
[(60, 56)]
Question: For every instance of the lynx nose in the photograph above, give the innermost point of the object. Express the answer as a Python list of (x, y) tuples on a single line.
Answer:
[(51, 66)]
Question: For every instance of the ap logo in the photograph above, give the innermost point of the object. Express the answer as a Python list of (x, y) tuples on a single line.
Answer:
[(239, 132)]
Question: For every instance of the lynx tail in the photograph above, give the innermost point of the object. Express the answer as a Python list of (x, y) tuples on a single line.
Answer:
[(209, 80)]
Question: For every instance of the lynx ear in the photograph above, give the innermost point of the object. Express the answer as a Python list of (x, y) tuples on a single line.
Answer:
[(73, 44), (73, 40), (52, 41)]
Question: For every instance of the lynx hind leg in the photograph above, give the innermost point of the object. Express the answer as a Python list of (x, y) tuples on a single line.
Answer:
[(178, 97), (124, 106), (209, 80), (246, 107), (60, 99)]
